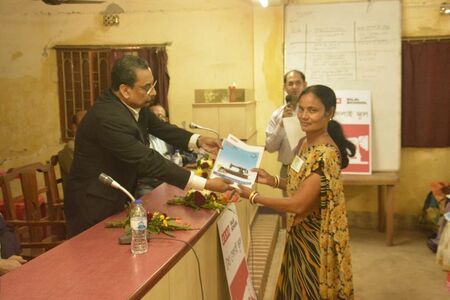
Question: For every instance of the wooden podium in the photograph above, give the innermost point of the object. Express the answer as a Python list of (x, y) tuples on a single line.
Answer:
[(92, 265)]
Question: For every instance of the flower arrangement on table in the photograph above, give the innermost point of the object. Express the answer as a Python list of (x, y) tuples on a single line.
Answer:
[(204, 166), (205, 199), (157, 222)]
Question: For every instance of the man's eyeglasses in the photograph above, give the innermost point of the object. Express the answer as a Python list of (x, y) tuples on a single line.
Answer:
[(162, 117), (150, 89)]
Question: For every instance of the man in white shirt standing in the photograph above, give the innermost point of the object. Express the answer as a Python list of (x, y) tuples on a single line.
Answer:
[(276, 138)]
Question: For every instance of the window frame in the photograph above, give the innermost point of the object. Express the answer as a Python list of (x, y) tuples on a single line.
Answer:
[(84, 72)]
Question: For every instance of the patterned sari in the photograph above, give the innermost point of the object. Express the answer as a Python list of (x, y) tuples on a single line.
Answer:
[(317, 262)]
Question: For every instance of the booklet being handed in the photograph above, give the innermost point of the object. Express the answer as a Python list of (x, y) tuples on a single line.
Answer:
[(235, 160)]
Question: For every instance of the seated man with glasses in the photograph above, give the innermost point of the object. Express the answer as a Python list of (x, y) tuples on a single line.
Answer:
[(156, 143), (147, 184), (9, 249), (162, 147)]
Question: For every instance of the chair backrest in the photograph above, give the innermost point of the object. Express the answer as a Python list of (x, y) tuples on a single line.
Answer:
[(39, 227), (54, 163), (59, 201), (64, 160)]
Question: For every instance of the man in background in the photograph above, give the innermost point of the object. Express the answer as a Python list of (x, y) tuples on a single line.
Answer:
[(65, 156), (113, 139), (9, 249), (162, 147), (276, 138), (147, 184), (154, 142)]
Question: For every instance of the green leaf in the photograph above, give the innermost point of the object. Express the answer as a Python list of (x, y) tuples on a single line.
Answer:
[(115, 224), (168, 233)]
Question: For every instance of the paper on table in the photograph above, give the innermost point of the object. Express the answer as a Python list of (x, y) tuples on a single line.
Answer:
[(293, 131)]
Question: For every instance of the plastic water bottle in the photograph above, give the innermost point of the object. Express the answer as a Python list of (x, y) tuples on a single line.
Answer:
[(138, 224), (177, 158)]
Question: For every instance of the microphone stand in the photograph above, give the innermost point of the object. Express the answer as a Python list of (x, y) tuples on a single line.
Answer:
[(107, 180), (192, 125), (126, 193)]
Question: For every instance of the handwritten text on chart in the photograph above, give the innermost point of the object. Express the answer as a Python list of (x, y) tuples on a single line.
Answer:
[(350, 51)]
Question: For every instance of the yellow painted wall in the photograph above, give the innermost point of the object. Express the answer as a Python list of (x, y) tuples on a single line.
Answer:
[(212, 46), (419, 166), (214, 43), (268, 72)]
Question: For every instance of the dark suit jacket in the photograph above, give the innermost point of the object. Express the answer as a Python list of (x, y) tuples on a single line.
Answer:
[(8, 241), (110, 141)]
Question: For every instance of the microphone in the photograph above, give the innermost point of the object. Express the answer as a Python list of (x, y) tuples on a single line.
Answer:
[(288, 99), (192, 125), (107, 180)]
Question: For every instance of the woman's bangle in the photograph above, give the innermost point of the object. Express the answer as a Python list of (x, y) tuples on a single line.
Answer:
[(252, 197), (277, 181)]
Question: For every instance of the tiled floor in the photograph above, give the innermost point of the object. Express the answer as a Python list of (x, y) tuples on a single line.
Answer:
[(407, 270), (264, 236)]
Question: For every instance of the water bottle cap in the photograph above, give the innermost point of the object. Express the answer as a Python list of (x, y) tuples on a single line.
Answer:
[(138, 201)]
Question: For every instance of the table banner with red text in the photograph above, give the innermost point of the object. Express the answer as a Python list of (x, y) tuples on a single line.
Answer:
[(239, 280), (353, 111)]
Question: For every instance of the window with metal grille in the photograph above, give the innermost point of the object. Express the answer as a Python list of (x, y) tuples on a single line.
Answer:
[(84, 73)]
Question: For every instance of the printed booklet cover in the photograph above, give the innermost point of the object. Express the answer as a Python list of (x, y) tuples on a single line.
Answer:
[(236, 159)]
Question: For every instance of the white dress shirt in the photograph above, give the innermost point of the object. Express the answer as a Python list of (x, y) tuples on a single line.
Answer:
[(195, 181), (159, 145), (276, 138)]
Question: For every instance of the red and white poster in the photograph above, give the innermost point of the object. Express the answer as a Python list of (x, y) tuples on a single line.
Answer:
[(239, 280), (354, 112)]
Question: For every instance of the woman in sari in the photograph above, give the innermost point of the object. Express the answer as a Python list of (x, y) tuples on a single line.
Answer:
[(316, 261)]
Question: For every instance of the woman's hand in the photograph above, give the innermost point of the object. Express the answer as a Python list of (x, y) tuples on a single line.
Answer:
[(244, 191), (264, 177)]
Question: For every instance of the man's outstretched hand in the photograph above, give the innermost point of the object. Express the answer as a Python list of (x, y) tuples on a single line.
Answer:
[(209, 144), (218, 185)]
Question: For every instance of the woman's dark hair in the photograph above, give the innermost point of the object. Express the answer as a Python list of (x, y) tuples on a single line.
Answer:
[(124, 71), (328, 99)]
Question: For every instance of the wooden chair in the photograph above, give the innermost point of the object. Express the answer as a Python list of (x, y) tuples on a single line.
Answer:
[(39, 230), (59, 201), (54, 162)]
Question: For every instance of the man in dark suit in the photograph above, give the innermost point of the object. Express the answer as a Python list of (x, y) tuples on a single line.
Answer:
[(9, 249), (113, 138)]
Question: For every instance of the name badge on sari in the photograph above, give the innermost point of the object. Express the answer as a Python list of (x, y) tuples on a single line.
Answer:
[(297, 163)]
